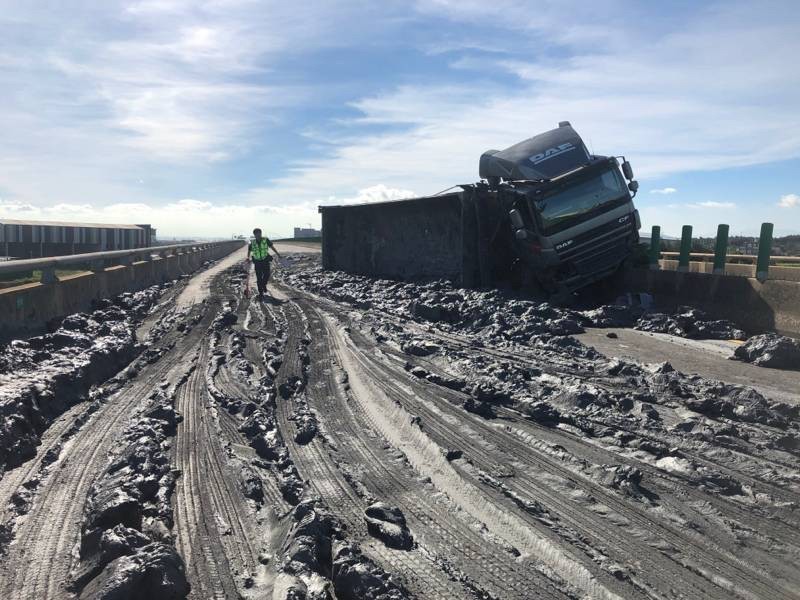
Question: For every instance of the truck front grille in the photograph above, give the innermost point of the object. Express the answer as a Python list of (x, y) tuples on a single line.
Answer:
[(599, 248)]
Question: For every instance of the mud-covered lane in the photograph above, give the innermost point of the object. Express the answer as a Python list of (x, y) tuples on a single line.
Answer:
[(349, 438), (613, 468), (39, 557), (709, 358)]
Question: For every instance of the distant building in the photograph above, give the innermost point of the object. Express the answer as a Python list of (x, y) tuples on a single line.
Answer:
[(34, 239), (302, 232)]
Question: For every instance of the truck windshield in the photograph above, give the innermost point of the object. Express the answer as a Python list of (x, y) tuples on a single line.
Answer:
[(589, 196)]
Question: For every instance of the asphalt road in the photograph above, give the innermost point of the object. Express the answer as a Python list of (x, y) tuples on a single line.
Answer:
[(323, 443), (708, 358)]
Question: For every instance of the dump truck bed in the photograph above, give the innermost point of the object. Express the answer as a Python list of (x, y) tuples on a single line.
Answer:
[(417, 238)]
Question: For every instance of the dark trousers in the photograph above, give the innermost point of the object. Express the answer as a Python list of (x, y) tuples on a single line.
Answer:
[(262, 274)]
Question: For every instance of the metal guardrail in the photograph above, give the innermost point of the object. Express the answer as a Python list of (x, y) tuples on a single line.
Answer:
[(98, 261), (720, 256), (749, 259)]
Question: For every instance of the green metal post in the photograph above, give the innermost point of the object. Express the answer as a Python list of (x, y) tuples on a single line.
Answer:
[(721, 250), (764, 251), (655, 248), (686, 248)]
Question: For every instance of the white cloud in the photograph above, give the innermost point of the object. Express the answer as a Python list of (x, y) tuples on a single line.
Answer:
[(712, 204), (190, 204), (65, 207), (664, 191), (17, 207), (789, 201), (375, 193)]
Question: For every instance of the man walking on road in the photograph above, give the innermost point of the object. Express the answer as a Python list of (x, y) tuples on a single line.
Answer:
[(258, 252)]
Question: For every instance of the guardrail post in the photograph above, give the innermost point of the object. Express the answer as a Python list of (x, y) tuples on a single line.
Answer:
[(721, 249), (655, 248), (49, 275), (97, 265), (125, 261), (764, 251), (686, 248)]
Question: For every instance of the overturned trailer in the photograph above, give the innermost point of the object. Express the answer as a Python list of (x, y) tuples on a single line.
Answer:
[(547, 214)]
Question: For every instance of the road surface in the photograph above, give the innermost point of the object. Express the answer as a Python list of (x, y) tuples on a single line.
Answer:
[(519, 467)]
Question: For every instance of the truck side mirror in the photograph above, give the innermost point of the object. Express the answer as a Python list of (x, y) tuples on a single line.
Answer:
[(633, 186), (516, 219), (627, 170)]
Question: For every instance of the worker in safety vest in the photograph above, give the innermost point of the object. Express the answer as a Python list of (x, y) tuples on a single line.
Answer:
[(258, 252)]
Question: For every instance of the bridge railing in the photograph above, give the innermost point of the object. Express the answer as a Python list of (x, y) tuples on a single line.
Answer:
[(98, 261), (761, 265)]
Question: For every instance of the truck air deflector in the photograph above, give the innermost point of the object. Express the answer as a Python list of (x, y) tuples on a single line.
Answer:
[(543, 156)]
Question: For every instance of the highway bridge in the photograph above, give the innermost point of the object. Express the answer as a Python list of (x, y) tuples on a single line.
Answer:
[(166, 434)]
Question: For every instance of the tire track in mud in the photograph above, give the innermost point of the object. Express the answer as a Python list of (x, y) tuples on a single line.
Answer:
[(38, 562), (357, 434), (434, 523), (782, 534), (217, 533), (664, 481), (665, 488), (780, 530), (395, 423), (696, 570), (315, 465), (706, 557), (703, 560)]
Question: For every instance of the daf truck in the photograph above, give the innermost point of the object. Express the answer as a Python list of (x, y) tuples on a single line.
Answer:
[(547, 215)]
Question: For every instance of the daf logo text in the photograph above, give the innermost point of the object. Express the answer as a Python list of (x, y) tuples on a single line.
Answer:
[(551, 152)]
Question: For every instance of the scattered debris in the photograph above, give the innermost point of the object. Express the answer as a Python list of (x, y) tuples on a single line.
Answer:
[(770, 350), (43, 376), (125, 544), (388, 524), (690, 322)]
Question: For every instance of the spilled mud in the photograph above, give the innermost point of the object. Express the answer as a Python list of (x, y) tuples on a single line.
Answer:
[(770, 350), (354, 438), (43, 376)]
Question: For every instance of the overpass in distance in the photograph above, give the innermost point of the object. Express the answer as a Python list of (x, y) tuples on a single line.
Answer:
[(374, 438)]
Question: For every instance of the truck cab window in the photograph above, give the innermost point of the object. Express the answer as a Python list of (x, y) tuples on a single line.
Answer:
[(581, 199)]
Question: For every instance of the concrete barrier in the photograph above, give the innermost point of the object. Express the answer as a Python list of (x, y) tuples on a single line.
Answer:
[(28, 308), (773, 305), (739, 269)]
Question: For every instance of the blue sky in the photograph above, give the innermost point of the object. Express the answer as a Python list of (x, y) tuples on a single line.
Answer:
[(207, 118)]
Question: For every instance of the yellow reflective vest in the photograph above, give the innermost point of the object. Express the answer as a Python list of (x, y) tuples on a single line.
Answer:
[(259, 249)]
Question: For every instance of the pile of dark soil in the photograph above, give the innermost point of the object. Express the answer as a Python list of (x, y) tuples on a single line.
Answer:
[(691, 323), (316, 557), (653, 412), (43, 376), (770, 350), (126, 542), (387, 523), (492, 313), (496, 314)]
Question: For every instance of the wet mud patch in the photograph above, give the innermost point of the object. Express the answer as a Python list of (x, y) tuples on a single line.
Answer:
[(770, 350), (317, 560), (261, 430), (388, 524), (126, 545), (649, 415), (496, 314), (43, 376)]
